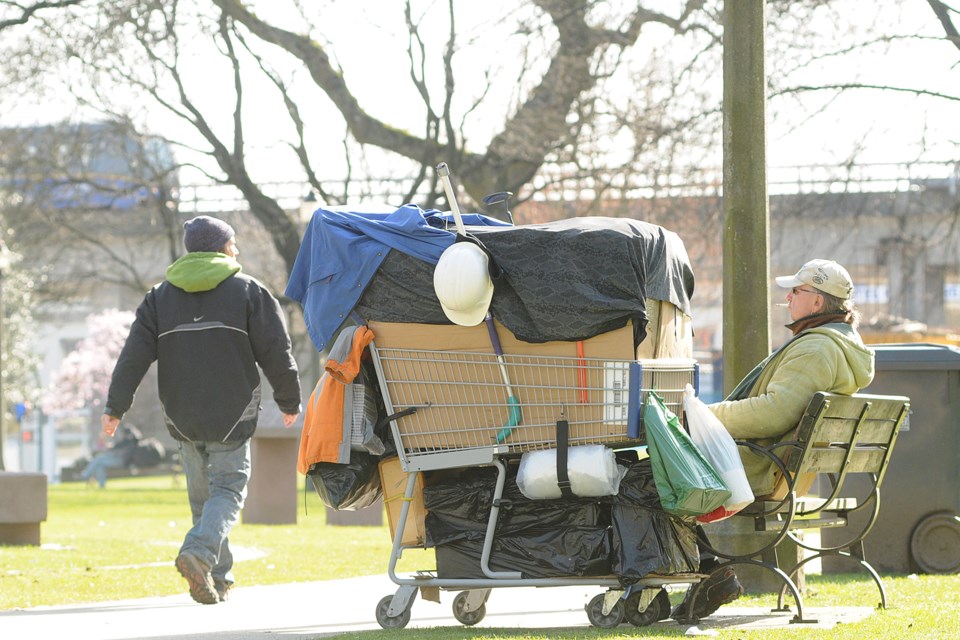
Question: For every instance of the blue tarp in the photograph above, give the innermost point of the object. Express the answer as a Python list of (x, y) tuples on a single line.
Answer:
[(342, 250)]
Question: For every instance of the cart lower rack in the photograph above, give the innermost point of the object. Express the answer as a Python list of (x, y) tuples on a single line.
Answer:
[(453, 410)]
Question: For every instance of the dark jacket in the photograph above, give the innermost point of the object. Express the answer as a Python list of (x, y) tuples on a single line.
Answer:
[(208, 326)]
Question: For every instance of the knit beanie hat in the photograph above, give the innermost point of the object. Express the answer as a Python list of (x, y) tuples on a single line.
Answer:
[(204, 233)]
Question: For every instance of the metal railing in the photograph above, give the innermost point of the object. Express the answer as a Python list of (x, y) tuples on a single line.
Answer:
[(560, 184), (555, 184)]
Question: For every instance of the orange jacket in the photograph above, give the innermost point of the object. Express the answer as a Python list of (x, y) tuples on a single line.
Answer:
[(323, 421)]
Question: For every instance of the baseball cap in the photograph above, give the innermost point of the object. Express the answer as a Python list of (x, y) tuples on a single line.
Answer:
[(462, 283), (825, 275)]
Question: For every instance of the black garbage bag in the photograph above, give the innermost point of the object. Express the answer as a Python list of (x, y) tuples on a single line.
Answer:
[(517, 519), (458, 507), (553, 553), (348, 487), (645, 538), (638, 486), (467, 495), (539, 538), (444, 529)]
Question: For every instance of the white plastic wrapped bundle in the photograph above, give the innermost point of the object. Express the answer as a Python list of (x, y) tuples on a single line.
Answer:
[(592, 470)]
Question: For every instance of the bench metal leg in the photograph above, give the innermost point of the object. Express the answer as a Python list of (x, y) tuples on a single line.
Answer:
[(853, 555), (873, 574)]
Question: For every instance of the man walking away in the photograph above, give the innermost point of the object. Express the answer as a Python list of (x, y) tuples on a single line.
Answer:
[(208, 326)]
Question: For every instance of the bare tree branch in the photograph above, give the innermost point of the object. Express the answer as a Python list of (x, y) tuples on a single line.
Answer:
[(364, 127), (856, 85), (534, 131), (942, 11), (28, 11)]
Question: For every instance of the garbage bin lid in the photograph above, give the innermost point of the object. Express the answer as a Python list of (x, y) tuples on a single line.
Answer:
[(916, 356), (935, 543)]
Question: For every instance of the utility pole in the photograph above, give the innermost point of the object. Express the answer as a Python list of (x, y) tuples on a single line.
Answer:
[(746, 246), (746, 239)]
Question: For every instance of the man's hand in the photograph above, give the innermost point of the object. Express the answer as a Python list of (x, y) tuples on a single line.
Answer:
[(108, 425), (289, 419)]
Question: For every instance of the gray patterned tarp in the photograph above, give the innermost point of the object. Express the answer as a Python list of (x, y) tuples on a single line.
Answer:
[(565, 280)]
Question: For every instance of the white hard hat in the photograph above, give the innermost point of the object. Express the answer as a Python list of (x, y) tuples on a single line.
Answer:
[(462, 283)]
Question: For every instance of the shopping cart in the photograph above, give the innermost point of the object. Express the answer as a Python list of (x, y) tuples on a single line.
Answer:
[(451, 410)]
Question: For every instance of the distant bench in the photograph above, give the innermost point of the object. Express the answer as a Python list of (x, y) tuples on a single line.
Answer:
[(23, 506), (165, 468), (838, 437), (169, 466)]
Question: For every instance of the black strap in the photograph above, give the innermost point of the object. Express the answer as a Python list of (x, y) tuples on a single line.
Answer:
[(563, 437), (393, 416), (492, 267)]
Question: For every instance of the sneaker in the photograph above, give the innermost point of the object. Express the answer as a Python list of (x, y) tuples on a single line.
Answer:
[(722, 587), (223, 588), (197, 574)]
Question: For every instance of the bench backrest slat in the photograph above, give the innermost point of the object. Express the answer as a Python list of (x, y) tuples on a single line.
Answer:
[(830, 460), (847, 434), (877, 431)]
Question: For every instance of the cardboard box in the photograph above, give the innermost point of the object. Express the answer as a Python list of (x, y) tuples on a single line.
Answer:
[(669, 332), (393, 480), (453, 379)]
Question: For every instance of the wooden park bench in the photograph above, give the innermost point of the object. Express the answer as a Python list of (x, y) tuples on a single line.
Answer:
[(838, 438), (169, 466)]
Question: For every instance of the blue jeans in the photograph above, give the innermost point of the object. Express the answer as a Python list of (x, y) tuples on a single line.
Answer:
[(97, 467), (217, 475)]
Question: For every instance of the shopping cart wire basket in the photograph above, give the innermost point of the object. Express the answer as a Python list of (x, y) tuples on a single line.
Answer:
[(457, 409)]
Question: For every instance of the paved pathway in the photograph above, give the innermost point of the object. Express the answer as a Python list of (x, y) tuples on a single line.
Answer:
[(329, 608)]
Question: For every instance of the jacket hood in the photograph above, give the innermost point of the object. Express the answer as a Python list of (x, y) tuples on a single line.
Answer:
[(859, 356), (201, 271)]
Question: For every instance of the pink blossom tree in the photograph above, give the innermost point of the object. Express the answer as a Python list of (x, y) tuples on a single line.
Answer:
[(83, 378)]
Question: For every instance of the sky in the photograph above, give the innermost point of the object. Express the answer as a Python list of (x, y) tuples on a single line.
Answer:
[(879, 127), (886, 126)]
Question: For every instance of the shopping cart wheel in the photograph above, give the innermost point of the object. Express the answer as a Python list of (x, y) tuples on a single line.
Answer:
[(388, 622), (468, 618), (658, 609), (598, 619)]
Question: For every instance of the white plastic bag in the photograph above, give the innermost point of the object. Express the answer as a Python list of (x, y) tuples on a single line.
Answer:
[(592, 470), (717, 446)]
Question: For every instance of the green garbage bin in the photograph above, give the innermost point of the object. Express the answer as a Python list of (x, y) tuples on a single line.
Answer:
[(918, 528)]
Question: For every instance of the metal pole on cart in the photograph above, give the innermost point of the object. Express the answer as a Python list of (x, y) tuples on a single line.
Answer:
[(444, 172), (513, 402)]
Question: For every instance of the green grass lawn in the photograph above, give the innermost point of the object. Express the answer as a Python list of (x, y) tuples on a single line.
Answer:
[(118, 543)]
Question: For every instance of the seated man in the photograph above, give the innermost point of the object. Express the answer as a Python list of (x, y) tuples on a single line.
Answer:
[(825, 354), (117, 456)]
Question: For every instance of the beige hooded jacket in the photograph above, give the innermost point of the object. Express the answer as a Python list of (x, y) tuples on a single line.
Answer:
[(831, 358)]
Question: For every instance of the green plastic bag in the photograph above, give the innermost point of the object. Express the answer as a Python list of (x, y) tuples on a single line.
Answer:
[(687, 484)]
